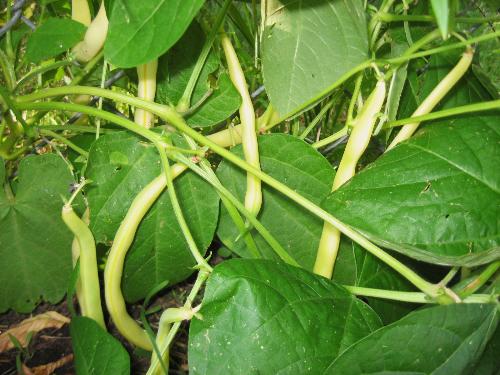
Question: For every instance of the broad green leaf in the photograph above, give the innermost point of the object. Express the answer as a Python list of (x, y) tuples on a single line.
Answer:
[(53, 37), (307, 46), (120, 165), (434, 198), (441, 10), (303, 169), (35, 246), (96, 351), (437, 340), (264, 317), (489, 363), (357, 267), (175, 69), (141, 31)]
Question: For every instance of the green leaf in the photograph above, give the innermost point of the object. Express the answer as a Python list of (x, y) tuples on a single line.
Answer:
[(357, 267), (120, 165), (96, 351), (53, 37), (437, 340), (175, 69), (490, 360), (303, 169), (441, 10), (307, 46), (35, 246), (264, 317), (435, 198), (141, 31)]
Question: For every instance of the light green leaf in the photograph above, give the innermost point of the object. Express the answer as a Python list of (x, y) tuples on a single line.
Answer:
[(96, 351), (35, 246), (175, 69), (434, 198), (441, 10), (53, 37), (120, 165), (438, 340), (307, 46), (141, 31), (264, 317), (303, 169)]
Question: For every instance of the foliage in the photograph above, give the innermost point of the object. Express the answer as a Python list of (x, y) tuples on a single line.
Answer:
[(413, 238)]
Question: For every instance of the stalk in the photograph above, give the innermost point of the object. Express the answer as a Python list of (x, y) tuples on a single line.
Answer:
[(435, 97), (356, 146)]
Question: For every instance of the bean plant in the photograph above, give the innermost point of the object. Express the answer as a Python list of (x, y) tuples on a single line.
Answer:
[(321, 178)]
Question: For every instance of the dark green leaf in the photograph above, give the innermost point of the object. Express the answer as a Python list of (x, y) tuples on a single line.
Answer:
[(437, 340), (307, 46), (53, 37), (35, 246), (435, 198), (489, 363), (96, 351), (303, 169), (263, 317), (120, 165), (141, 31)]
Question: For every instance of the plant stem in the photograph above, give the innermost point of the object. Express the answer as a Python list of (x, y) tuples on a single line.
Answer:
[(317, 119), (387, 17), (66, 141), (332, 138), (40, 70), (469, 108), (185, 101), (411, 297), (71, 107), (202, 263), (8, 71), (479, 281), (433, 291)]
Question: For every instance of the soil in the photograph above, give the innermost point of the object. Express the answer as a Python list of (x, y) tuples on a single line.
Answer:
[(51, 345)]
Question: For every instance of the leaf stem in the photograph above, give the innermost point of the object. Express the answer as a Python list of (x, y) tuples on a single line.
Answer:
[(469, 108), (411, 297), (185, 100), (64, 140), (202, 263), (479, 281), (388, 17), (332, 138), (432, 290)]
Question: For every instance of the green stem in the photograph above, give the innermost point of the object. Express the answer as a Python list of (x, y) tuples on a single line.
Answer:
[(185, 101), (200, 280), (75, 128), (434, 291), (387, 17), (332, 138), (479, 281), (470, 108), (8, 71), (202, 263), (66, 141), (317, 119), (354, 99), (433, 51), (40, 70), (71, 107), (266, 235), (411, 297)]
